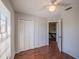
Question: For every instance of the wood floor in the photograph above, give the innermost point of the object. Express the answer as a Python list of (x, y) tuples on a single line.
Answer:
[(46, 52)]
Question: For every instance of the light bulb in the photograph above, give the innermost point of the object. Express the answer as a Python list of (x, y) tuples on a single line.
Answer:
[(52, 8)]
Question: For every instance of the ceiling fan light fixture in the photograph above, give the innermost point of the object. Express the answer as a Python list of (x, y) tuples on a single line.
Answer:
[(57, 1), (52, 8)]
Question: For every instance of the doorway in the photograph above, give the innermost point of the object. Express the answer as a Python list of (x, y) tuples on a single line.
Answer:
[(55, 34), (52, 36), (52, 31)]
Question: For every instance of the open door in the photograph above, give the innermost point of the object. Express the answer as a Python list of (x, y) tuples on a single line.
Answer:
[(59, 35)]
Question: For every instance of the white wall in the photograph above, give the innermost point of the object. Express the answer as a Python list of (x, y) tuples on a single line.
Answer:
[(8, 5), (71, 30), (40, 29), (5, 44)]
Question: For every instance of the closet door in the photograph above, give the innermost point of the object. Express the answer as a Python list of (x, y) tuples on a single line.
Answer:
[(20, 36), (25, 35), (28, 35)]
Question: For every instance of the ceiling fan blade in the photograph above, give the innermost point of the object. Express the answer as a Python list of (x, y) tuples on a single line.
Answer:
[(52, 1), (57, 1), (68, 8), (63, 4), (43, 8)]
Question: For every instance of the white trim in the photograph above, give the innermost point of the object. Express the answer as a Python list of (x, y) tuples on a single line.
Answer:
[(56, 30)]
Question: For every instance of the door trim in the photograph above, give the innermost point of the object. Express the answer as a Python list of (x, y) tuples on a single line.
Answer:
[(56, 36)]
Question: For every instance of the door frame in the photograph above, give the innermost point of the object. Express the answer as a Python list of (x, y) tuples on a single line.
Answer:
[(61, 21)]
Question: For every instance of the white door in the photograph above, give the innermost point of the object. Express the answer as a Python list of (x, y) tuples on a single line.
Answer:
[(29, 34), (59, 35), (20, 36), (25, 35)]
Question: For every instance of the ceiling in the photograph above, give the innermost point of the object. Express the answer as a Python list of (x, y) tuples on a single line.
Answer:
[(35, 7)]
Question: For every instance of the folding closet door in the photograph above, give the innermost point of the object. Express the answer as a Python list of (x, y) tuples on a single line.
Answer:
[(28, 35), (25, 35), (20, 36)]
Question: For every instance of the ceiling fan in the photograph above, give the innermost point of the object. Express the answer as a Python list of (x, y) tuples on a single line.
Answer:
[(52, 6)]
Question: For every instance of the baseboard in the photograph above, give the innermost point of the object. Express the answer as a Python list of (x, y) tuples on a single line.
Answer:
[(31, 49), (66, 54)]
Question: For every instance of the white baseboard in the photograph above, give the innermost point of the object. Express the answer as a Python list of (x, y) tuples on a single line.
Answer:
[(70, 54), (33, 48)]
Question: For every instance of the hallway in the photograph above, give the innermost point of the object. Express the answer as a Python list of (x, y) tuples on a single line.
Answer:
[(46, 52)]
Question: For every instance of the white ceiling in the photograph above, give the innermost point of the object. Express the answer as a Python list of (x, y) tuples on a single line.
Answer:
[(34, 7)]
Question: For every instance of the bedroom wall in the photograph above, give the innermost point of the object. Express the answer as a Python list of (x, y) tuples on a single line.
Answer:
[(71, 30)]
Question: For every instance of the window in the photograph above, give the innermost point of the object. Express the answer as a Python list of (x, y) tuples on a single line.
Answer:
[(3, 27)]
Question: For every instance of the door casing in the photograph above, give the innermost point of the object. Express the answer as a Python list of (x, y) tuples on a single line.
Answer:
[(59, 33)]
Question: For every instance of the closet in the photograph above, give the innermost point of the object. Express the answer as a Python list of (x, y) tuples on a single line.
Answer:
[(25, 35)]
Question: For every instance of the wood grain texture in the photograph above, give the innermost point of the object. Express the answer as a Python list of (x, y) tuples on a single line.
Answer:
[(46, 52)]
